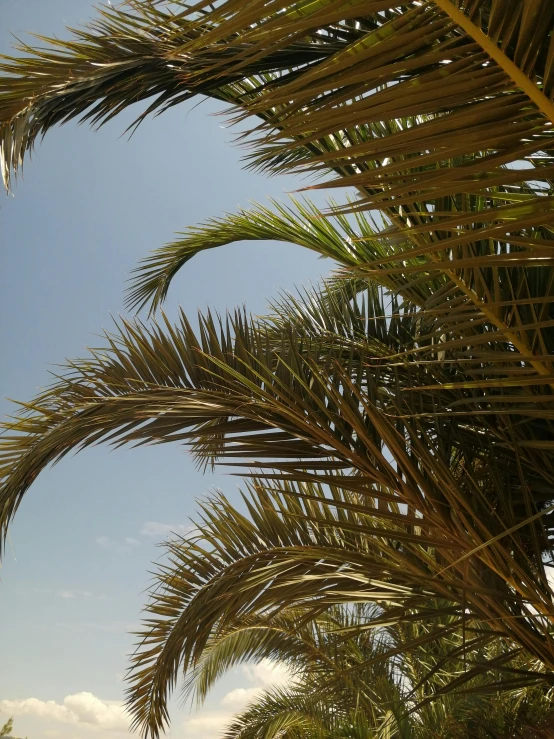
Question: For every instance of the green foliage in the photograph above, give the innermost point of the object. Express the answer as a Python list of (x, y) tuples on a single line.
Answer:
[(7, 729), (258, 586), (352, 678)]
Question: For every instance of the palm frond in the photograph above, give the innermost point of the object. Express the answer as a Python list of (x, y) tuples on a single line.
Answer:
[(305, 407), (284, 713), (437, 113), (128, 54), (307, 548), (298, 222)]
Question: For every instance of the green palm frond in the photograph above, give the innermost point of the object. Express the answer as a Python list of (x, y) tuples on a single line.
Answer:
[(291, 714), (309, 709), (298, 222), (286, 637)]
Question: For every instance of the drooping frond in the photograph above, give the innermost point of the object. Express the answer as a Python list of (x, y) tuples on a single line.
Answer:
[(286, 638), (438, 113), (308, 548), (128, 54), (306, 402)]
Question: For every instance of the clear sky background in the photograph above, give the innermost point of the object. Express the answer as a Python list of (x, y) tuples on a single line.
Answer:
[(91, 204)]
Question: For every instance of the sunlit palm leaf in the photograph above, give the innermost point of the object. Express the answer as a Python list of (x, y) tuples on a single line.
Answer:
[(298, 222), (127, 55), (427, 108), (307, 403)]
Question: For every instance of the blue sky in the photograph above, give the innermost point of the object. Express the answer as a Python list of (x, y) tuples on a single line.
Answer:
[(89, 206)]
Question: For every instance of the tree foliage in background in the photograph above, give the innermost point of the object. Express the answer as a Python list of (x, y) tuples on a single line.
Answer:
[(402, 414), (7, 729)]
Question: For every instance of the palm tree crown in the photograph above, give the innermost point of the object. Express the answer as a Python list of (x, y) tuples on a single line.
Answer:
[(398, 419)]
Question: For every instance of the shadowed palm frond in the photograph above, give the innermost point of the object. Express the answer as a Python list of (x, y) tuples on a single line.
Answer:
[(226, 595), (305, 712)]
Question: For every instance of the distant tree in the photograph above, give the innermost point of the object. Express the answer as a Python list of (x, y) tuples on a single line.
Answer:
[(7, 729)]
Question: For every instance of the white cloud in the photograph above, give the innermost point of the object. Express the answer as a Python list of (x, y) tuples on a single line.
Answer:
[(212, 722), (87, 716), (126, 545), (238, 698), (206, 724), (267, 672), (157, 529), (70, 594), (79, 709)]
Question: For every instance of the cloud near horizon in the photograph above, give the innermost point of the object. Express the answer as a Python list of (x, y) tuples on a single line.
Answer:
[(72, 594), (79, 709), (126, 545), (85, 711)]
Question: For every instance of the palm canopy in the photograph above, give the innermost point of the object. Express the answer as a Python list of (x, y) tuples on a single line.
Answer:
[(406, 410), (353, 681), (413, 670), (310, 396), (438, 113)]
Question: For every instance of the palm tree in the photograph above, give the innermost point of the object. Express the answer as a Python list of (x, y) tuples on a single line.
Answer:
[(354, 670), (413, 394), (314, 706)]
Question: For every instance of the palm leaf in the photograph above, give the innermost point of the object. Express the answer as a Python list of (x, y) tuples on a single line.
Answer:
[(242, 572), (127, 55), (428, 109), (299, 222), (305, 407)]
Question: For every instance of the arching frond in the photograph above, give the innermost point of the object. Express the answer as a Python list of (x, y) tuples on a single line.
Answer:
[(298, 222), (128, 54), (305, 406), (437, 113), (307, 548)]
